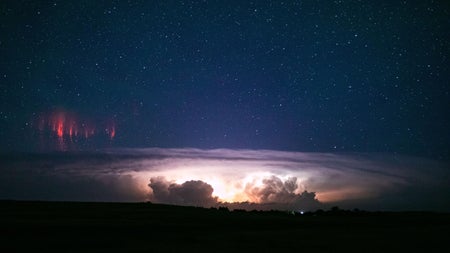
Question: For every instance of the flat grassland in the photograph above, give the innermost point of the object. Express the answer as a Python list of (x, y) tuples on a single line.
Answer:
[(27, 226)]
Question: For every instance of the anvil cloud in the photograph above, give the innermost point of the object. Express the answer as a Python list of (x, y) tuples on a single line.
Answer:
[(250, 179)]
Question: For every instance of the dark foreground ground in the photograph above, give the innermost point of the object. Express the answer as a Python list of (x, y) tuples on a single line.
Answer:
[(119, 227)]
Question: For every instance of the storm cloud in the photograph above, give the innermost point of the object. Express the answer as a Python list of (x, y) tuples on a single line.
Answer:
[(192, 193), (264, 179), (273, 194)]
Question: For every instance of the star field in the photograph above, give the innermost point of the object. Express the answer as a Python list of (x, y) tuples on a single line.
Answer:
[(311, 76)]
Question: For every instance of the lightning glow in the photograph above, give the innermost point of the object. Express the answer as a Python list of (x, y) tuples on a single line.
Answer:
[(237, 179), (247, 179)]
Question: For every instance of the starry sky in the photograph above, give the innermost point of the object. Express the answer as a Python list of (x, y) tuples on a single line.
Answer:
[(309, 76)]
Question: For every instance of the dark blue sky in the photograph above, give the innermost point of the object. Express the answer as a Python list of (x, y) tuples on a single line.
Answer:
[(347, 76)]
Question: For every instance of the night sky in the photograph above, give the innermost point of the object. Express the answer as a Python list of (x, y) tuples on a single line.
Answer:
[(309, 76)]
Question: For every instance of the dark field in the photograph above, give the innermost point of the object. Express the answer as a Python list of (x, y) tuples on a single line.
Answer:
[(120, 227)]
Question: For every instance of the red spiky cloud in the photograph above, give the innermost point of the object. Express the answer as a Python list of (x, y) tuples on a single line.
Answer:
[(68, 127)]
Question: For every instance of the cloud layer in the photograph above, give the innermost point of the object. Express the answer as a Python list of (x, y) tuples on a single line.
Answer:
[(249, 179)]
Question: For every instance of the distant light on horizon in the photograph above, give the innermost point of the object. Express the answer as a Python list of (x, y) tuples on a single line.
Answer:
[(249, 179)]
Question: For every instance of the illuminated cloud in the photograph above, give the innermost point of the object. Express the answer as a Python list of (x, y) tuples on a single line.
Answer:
[(273, 193), (249, 179), (193, 192)]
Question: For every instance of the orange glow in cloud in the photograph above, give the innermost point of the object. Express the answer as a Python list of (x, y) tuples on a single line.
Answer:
[(243, 175), (228, 185), (245, 179)]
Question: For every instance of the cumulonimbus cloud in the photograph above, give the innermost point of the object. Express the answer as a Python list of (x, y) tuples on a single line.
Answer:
[(253, 178), (273, 194), (192, 193)]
